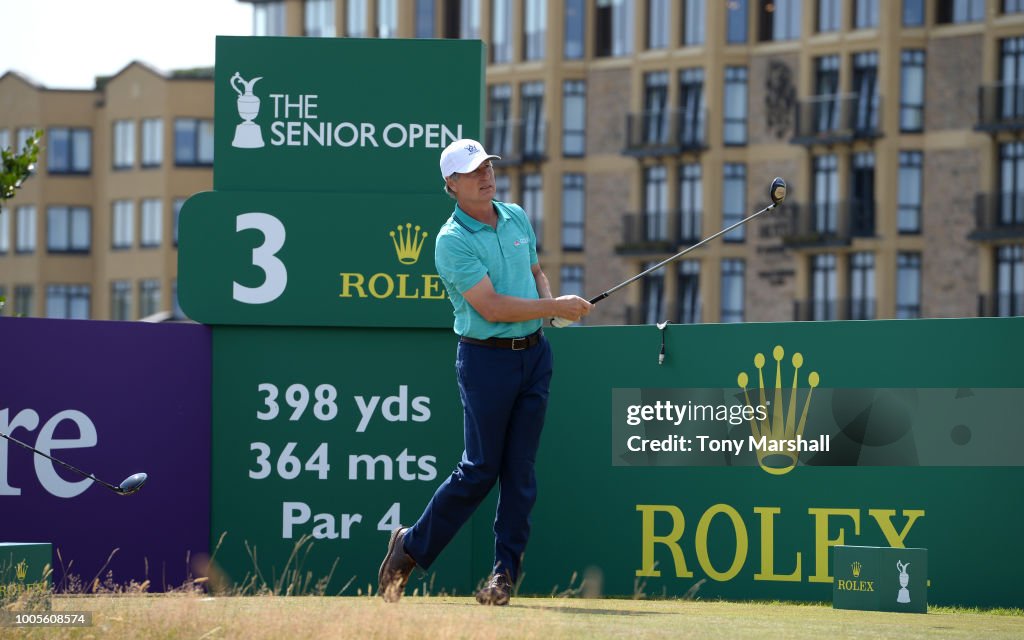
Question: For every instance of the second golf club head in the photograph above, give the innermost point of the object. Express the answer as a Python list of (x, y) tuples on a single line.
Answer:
[(777, 191), (132, 483)]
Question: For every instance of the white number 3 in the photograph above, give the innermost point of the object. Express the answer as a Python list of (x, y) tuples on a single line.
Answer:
[(263, 256)]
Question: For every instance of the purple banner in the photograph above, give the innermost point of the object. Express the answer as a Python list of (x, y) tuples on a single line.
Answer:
[(113, 399)]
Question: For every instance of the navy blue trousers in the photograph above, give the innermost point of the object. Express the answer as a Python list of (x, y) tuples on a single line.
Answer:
[(504, 398)]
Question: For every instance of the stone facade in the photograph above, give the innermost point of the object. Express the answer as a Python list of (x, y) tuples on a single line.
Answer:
[(771, 88), (952, 77), (608, 92), (771, 268)]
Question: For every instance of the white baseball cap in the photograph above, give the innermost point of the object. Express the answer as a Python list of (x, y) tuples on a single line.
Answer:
[(463, 156)]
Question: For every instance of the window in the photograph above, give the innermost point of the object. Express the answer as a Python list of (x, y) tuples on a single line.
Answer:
[(691, 107), (655, 213), (689, 292), (826, 101), (908, 285), (734, 200), (268, 19), (826, 194), (67, 301), (823, 287), (1013, 6), (5, 139), (25, 229), (912, 90), (959, 11), (780, 19), (1011, 184), (152, 142), (319, 19), (862, 194), (177, 312), (572, 211), (828, 15), (501, 31), (24, 133), (535, 25), (656, 117), (736, 21), (653, 295), (121, 300), (68, 229), (502, 188), (908, 217), (356, 18), (691, 203), (178, 204), (534, 128), (124, 144), (865, 14), (533, 204), (123, 227), (693, 22), (1011, 72), (387, 18), (657, 24), (575, 29), (462, 19), (1010, 280), (5, 229), (499, 125), (614, 28), (734, 129), (865, 86), (572, 280), (151, 229), (149, 297), (24, 303), (424, 18), (862, 286), (69, 150), (574, 118), (193, 142), (913, 13), (732, 290)]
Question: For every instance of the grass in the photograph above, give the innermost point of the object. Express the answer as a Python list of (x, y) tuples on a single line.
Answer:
[(195, 615)]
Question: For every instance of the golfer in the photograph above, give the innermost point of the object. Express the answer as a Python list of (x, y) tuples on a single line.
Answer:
[(486, 255)]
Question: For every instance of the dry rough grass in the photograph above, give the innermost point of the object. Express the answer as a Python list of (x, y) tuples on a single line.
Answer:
[(194, 615)]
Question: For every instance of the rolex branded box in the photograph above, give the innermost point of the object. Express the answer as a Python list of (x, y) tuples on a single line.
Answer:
[(880, 579)]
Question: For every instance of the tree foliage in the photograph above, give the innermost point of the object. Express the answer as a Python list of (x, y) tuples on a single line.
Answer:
[(18, 166)]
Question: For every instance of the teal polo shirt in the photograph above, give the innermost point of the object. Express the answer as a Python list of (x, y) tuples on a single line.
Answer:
[(466, 250)]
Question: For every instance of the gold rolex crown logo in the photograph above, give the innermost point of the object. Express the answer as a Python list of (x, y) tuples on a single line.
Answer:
[(408, 243), (855, 568), (780, 425), (21, 570)]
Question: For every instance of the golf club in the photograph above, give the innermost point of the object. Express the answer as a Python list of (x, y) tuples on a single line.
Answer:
[(777, 192), (128, 486)]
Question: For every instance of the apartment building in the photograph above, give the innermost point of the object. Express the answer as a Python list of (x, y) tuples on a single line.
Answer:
[(629, 129), (92, 234)]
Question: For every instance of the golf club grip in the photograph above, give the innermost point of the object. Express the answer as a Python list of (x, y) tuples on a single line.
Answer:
[(599, 298)]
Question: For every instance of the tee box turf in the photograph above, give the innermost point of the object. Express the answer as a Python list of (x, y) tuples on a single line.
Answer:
[(880, 579)]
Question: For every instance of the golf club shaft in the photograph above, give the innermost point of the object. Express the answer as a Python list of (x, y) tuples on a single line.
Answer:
[(680, 254), (60, 462)]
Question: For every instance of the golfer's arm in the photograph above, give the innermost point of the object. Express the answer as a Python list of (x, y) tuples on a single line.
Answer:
[(543, 286), (495, 307)]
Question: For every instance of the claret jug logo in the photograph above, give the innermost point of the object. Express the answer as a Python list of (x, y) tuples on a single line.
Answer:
[(778, 440), (408, 242), (248, 134)]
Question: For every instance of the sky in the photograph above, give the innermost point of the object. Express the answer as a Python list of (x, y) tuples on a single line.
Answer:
[(65, 44)]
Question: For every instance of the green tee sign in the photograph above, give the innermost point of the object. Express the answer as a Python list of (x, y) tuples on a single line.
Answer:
[(340, 114)]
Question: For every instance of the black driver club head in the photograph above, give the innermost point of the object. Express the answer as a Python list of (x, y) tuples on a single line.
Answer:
[(132, 483), (777, 191)]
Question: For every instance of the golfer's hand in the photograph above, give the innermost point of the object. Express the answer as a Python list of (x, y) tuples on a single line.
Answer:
[(570, 309)]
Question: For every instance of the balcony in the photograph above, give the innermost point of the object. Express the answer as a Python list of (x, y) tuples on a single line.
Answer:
[(836, 309), (665, 133), (997, 216), (659, 232), (1000, 305), (517, 142), (829, 224), (837, 118), (1000, 108)]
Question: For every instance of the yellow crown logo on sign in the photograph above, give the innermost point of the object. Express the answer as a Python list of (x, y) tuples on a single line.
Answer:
[(780, 425), (21, 570), (855, 568), (408, 243)]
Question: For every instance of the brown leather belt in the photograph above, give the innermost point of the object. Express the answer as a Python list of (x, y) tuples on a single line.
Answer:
[(515, 344)]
